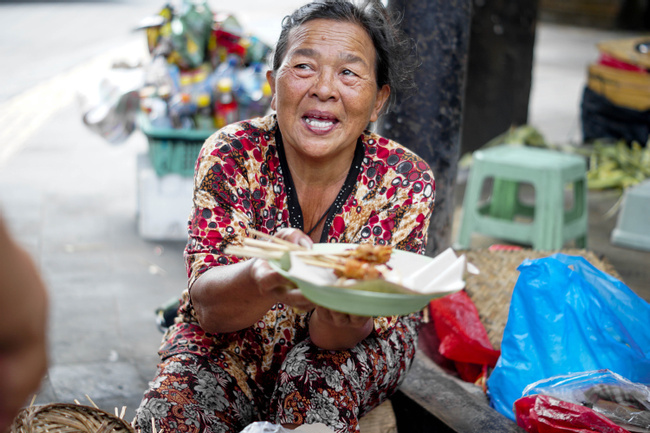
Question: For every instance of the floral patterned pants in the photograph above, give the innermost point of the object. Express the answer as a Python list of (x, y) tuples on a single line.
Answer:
[(218, 393)]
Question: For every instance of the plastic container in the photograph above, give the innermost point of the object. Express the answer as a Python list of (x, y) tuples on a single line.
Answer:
[(632, 227), (163, 203), (173, 150)]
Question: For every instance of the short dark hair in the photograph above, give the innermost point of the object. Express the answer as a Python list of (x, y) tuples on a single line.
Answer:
[(396, 58)]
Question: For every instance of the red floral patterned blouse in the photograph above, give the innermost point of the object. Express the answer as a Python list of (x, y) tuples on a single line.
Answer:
[(242, 180)]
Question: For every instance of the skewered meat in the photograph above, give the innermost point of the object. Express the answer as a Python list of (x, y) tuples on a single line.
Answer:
[(378, 254), (366, 262)]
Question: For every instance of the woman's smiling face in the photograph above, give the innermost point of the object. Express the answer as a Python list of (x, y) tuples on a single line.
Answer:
[(325, 91)]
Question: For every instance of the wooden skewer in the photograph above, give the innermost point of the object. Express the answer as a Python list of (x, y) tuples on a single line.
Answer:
[(264, 250), (275, 239), (327, 259), (253, 252), (266, 245), (333, 259), (323, 264), (337, 254)]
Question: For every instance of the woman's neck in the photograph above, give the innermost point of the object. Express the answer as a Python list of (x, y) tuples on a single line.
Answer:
[(317, 186), (315, 201), (309, 173)]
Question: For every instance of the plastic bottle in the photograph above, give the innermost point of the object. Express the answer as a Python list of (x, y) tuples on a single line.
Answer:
[(175, 77), (186, 82), (227, 69), (153, 104), (200, 84), (260, 107), (204, 118), (201, 97), (158, 73), (182, 110), (226, 109), (159, 115), (249, 90)]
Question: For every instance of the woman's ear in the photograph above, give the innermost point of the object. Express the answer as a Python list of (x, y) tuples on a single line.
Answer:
[(380, 102), (270, 77)]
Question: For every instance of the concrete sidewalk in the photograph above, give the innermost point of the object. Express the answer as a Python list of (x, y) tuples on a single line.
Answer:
[(70, 198)]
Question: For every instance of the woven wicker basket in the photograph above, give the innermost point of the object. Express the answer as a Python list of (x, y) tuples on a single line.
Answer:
[(68, 418), (492, 289)]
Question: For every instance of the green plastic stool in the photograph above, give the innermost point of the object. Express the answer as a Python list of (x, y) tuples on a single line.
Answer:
[(549, 172)]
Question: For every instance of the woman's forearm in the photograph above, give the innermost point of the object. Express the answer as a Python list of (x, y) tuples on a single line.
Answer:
[(227, 299)]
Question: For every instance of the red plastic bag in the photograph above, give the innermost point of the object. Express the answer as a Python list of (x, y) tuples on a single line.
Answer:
[(546, 414), (461, 336), (625, 403)]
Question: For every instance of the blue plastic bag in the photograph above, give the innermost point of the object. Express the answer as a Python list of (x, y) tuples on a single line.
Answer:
[(566, 317)]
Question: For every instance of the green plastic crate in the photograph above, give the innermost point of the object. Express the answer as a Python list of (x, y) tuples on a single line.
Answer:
[(173, 150)]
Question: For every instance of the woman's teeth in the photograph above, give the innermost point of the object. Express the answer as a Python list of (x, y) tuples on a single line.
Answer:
[(319, 123)]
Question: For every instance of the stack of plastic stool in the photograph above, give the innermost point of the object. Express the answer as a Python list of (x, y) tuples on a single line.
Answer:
[(549, 225)]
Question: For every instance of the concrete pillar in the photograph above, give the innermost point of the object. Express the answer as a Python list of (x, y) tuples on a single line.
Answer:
[(429, 123)]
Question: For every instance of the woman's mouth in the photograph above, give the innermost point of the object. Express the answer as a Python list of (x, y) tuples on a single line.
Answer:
[(320, 124)]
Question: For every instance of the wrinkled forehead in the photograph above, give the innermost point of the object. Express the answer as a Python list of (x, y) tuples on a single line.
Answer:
[(352, 39)]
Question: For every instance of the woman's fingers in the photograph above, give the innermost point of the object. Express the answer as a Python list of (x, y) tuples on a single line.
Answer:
[(274, 285), (296, 299), (295, 236)]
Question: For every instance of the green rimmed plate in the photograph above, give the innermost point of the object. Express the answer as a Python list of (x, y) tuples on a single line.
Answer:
[(376, 297)]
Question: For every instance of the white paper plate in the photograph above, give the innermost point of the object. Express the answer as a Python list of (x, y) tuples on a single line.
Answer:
[(419, 273)]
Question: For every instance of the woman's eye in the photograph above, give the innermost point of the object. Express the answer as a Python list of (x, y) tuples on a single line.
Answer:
[(302, 66), (348, 72)]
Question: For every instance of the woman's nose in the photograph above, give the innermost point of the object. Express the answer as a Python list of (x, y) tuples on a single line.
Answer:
[(325, 86)]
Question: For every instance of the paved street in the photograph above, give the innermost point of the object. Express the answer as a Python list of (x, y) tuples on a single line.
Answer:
[(70, 197)]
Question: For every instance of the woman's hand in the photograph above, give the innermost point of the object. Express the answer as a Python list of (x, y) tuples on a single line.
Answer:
[(332, 330), (295, 236), (234, 297), (274, 286)]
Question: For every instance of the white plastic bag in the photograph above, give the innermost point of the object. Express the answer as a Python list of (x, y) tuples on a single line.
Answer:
[(267, 427)]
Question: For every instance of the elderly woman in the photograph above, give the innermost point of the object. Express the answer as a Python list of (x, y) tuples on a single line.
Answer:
[(247, 346)]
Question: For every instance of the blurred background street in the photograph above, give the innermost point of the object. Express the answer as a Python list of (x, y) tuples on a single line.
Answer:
[(70, 197)]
